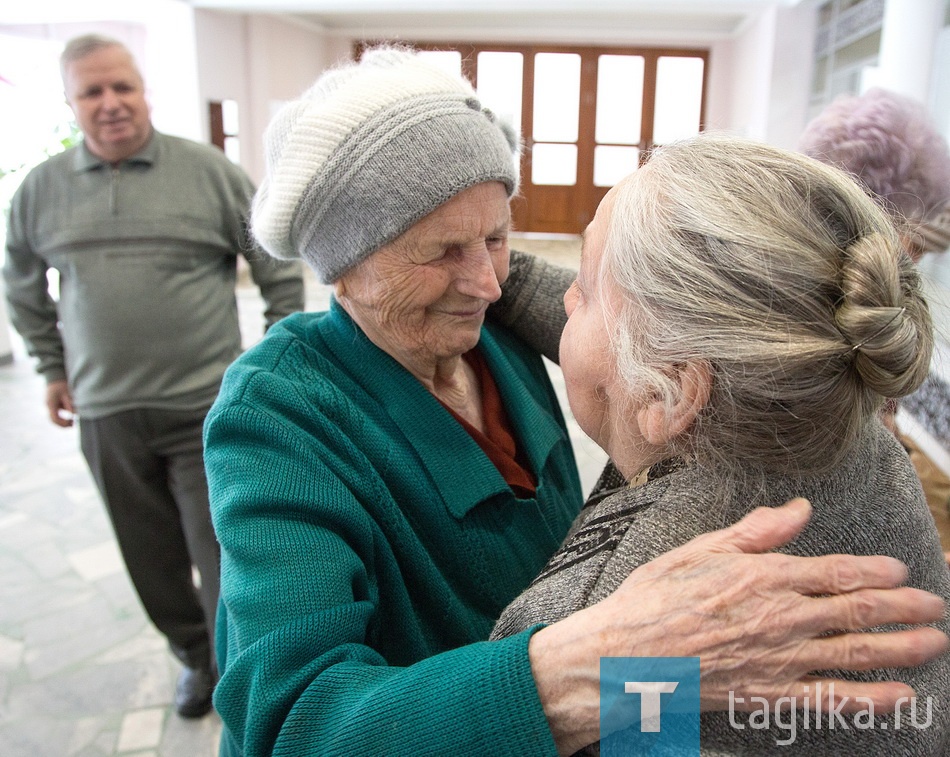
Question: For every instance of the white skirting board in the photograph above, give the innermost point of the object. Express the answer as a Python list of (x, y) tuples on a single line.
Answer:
[(927, 443)]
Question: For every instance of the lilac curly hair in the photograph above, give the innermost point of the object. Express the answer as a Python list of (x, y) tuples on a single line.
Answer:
[(889, 143)]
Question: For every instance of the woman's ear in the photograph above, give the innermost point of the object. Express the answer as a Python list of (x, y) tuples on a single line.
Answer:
[(659, 423)]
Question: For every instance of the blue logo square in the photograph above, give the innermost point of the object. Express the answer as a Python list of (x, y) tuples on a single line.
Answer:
[(649, 706)]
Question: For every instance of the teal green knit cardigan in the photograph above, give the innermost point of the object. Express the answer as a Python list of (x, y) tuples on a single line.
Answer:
[(368, 545)]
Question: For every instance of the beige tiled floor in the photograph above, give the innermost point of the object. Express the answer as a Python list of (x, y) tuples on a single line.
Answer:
[(82, 672)]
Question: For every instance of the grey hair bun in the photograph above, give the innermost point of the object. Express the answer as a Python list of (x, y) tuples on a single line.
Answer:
[(884, 318)]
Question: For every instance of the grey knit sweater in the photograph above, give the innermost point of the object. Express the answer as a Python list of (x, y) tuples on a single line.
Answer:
[(871, 504)]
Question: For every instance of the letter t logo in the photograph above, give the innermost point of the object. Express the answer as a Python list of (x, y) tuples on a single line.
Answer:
[(649, 692)]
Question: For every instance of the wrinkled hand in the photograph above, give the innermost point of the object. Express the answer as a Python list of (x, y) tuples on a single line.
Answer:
[(756, 621), (59, 403)]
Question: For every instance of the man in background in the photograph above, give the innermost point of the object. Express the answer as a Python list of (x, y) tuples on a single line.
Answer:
[(144, 230)]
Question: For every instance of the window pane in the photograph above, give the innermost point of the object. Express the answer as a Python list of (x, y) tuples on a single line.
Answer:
[(554, 164), (619, 99), (557, 93), (448, 60), (232, 148), (679, 97), (611, 164), (499, 85), (229, 117)]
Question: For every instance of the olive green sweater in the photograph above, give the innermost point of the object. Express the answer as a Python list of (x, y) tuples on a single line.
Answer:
[(368, 545), (146, 252)]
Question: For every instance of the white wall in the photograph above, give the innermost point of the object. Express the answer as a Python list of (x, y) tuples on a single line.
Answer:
[(760, 80), (259, 61), (288, 58), (160, 34), (169, 68), (719, 86), (751, 79), (792, 66), (222, 64)]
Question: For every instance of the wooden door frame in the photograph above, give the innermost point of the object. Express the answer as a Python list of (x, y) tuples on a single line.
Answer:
[(588, 196)]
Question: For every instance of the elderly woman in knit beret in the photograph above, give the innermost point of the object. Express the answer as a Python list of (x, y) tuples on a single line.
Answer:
[(739, 316), (387, 476)]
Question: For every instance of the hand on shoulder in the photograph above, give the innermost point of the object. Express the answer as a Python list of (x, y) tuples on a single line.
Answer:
[(758, 621)]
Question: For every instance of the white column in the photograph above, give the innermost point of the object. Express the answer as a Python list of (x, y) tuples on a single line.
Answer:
[(908, 42)]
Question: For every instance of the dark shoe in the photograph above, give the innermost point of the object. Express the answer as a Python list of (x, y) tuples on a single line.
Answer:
[(193, 692)]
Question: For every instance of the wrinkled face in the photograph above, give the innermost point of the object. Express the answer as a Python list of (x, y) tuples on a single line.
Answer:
[(584, 353), (422, 297), (107, 96), (598, 400)]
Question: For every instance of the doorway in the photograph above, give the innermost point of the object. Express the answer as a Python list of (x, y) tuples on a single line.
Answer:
[(588, 116)]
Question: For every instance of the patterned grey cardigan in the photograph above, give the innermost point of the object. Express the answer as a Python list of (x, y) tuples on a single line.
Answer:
[(871, 504)]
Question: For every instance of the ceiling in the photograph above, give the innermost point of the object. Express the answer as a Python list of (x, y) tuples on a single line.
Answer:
[(668, 19)]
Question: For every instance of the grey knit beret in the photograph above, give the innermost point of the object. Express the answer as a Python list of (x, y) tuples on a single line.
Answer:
[(368, 150)]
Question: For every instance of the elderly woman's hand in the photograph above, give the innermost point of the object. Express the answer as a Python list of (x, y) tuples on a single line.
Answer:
[(756, 621)]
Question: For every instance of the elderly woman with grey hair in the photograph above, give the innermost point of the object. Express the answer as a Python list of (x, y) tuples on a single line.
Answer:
[(386, 477), (739, 315)]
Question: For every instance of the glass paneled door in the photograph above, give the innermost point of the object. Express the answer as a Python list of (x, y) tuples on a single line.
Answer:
[(596, 115), (588, 116)]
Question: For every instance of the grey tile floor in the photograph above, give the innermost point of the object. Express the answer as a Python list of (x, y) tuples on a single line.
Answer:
[(82, 672)]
